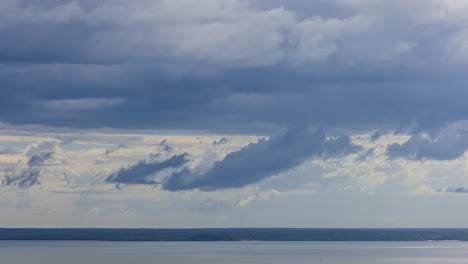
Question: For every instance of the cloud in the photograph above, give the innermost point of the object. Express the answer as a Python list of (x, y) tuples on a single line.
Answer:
[(194, 66), (217, 33), (221, 141), (376, 135), (112, 150), (165, 146), (366, 155), (265, 195), (459, 190), (41, 147), (141, 172), (261, 160), (248, 37), (81, 104), (447, 143), (238, 67), (424, 190), (9, 151), (28, 177), (40, 159), (39, 154)]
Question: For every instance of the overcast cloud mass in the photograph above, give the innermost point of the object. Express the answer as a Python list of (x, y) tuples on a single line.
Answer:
[(215, 110)]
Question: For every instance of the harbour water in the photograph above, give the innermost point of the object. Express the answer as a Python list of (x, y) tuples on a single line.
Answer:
[(78, 252)]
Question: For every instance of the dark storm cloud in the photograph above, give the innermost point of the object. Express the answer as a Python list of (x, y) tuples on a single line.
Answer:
[(258, 161), (141, 172), (59, 64)]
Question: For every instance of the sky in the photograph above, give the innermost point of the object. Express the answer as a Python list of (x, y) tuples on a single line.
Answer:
[(234, 113)]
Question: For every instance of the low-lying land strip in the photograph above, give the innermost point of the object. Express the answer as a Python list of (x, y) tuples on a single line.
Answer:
[(236, 234)]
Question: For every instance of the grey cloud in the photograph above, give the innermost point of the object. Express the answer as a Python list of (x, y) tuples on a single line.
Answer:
[(376, 135), (27, 177), (306, 8), (366, 155), (447, 143), (82, 104), (249, 34), (210, 206), (103, 138), (153, 156), (112, 150), (141, 172), (459, 190), (347, 64), (41, 147), (221, 141), (9, 151), (40, 159), (165, 146), (261, 160)]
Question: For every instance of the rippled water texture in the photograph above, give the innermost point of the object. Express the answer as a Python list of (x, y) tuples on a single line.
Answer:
[(72, 252)]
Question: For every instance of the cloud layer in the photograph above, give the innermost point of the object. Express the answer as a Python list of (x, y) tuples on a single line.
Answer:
[(98, 93), (28, 177), (261, 160), (446, 143), (141, 172), (232, 65)]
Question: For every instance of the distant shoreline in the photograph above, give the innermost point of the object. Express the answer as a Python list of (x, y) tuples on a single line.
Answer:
[(235, 234)]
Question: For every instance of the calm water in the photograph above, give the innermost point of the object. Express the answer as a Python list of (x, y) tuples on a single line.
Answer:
[(38, 252)]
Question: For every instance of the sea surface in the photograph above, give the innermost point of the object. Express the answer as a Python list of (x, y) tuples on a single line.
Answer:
[(77, 252)]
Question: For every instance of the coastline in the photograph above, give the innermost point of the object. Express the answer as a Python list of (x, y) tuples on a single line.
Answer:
[(236, 234)]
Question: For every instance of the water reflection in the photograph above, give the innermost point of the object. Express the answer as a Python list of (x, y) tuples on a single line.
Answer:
[(73, 252)]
